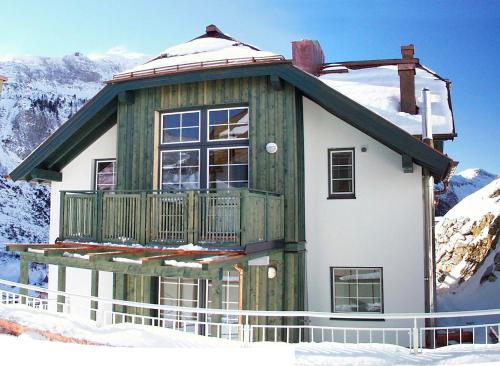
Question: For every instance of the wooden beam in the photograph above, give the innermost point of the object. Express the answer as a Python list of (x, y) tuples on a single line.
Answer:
[(407, 163), (24, 277), (127, 97), (46, 175), (276, 82)]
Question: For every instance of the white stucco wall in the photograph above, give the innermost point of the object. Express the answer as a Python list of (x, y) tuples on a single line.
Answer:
[(79, 174), (105, 291), (53, 277), (381, 227), (78, 282)]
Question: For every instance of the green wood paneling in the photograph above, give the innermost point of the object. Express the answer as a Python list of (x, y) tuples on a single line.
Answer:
[(272, 119)]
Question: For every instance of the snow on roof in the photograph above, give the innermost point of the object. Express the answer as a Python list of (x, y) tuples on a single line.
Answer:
[(201, 50), (377, 88)]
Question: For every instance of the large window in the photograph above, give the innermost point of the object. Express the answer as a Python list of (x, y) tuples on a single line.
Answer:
[(357, 290), (180, 169), (341, 173), (228, 124), (205, 148), (105, 175), (228, 167), (181, 127)]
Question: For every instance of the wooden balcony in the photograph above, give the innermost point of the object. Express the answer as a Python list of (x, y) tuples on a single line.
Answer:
[(203, 217)]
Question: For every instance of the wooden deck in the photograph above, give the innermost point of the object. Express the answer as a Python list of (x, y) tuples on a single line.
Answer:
[(211, 218)]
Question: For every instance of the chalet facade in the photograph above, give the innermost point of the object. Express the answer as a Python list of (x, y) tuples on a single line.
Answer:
[(218, 175)]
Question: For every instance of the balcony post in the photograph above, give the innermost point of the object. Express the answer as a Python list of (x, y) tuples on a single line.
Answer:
[(98, 216), (243, 216), (62, 204), (143, 221), (192, 217)]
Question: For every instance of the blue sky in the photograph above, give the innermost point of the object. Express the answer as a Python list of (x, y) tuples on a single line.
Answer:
[(457, 39)]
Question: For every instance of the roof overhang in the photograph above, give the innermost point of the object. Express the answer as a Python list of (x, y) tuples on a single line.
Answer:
[(99, 114)]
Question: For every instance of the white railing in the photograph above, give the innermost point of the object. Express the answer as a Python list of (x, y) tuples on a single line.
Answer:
[(403, 329)]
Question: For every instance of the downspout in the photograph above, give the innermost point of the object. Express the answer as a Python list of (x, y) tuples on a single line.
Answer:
[(428, 197)]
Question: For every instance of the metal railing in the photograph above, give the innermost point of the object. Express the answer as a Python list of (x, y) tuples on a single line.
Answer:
[(223, 217), (403, 329)]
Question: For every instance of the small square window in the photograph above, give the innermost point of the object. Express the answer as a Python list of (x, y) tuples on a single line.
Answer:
[(182, 127), (105, 175), (356, 290), (341, 173)]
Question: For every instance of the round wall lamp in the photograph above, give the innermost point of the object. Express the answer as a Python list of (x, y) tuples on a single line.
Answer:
[(271, 148), (271, 272)]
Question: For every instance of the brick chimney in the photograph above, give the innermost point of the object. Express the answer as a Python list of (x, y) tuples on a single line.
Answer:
[(406, 71), (308, 56)]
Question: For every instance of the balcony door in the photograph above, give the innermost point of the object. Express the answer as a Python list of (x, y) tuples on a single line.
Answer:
[(204, 148)]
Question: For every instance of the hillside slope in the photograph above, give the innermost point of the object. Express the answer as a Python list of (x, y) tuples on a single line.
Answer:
[(468, 260)]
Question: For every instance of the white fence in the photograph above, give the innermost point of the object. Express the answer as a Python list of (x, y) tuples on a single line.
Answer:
[(472, 327)]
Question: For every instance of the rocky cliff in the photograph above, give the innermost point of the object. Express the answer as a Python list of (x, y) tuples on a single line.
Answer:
[(467, 257)]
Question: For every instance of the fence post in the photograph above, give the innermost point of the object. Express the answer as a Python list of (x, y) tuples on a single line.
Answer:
[(143, 220), (414, 340), (62, 199), (98, 216), (243, 217)]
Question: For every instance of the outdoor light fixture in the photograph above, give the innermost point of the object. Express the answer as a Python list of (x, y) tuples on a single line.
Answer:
[(271, 148), (271, 272)]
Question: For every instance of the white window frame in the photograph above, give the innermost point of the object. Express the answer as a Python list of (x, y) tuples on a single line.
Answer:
[(226, 109), (179, 150), (331, 193), (96, 173), (180, 128), (229, 165), (333, 295)]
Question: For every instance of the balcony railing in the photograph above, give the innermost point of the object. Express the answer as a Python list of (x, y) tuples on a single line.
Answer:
[(226, 217)]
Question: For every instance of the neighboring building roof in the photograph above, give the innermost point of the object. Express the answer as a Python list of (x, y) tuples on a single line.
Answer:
[(376, 86), (97, 115), (3, 78)]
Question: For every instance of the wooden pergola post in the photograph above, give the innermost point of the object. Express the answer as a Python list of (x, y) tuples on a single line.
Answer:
[(24, 278)]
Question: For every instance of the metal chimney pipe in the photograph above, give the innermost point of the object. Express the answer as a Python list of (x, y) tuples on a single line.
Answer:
[(427, 117)]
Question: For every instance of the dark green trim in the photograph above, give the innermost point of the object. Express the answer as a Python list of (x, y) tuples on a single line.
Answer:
[(43, 174), (407, 163), (356, 115), (276, 82), (127, 97)]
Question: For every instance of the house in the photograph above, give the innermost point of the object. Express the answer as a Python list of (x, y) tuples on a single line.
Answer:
[(219, 175)]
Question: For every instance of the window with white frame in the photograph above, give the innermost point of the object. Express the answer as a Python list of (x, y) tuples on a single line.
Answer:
[(197, 293), (228, 167), (341, 173), (180, 169), (356, 290), (105, 175), (228, 124), (180, 127)]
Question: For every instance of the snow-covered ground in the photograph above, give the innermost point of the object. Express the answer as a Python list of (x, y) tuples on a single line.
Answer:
[(127, 344)]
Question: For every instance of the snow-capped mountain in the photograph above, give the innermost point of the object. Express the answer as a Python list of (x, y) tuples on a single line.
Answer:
[(462, 185), (43, 92), (40, 95)]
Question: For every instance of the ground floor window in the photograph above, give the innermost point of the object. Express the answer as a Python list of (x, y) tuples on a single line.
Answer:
[(356, 290), (197, 293)]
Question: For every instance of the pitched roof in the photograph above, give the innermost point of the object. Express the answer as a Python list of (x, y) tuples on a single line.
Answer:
[(375, 84), (212, 48), (98, 114)]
